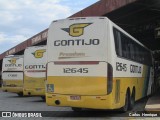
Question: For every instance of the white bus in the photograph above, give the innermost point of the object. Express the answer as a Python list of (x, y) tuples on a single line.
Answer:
[(35, 71), (93, 63), (12, 74)]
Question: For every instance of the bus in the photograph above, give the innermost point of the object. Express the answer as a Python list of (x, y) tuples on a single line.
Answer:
[(93, 63), (12, 74), (34, 71)]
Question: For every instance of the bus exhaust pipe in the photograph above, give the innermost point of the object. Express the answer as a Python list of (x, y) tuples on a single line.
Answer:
[(57, 102)]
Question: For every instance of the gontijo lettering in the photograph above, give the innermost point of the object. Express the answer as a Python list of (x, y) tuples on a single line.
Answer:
[(13, 65), (35, 67), (77, 42), (135, 69)]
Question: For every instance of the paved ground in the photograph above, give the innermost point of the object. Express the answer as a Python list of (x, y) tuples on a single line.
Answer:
[(11, 102)]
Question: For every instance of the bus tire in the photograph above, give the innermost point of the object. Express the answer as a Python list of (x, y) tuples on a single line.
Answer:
[(125, 107), (152, 89), (75, 109), (5, 91), (132, 100), (43, 98), (20, 94)]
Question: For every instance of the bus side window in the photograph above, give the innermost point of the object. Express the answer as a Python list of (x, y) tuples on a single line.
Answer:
[(125, 46), (118, 45)]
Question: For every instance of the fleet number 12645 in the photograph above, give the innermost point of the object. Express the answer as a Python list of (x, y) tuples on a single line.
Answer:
[(75, 70)]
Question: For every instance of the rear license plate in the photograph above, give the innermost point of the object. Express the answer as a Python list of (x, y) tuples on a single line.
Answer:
[(75, 97)]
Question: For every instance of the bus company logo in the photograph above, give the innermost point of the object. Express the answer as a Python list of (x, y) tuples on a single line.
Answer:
[(13, 60), (76, 30), (39, 53)]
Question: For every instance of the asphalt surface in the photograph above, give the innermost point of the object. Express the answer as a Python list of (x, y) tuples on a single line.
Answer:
[(11, 102)]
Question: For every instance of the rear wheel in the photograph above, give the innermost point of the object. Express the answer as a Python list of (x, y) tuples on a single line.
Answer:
[(132, 101), (43, 98), (20, 94), (5, 91), (152, 89), (126, 105)]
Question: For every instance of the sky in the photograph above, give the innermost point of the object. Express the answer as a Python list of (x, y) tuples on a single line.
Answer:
[(22, 19)]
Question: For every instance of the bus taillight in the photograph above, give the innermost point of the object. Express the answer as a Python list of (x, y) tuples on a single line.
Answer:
[(110, 79)]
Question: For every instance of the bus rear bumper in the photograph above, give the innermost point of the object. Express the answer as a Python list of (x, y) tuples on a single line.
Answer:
[(93, 102), (13, 89), (34, 92)]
